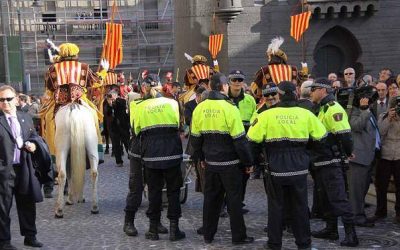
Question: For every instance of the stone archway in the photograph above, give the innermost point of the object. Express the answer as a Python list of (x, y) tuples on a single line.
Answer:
[(336, 50)]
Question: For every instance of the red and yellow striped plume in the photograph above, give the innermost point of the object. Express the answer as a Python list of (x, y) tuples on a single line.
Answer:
[(201, 71), (215, 44), (299, 24), (112, 49)]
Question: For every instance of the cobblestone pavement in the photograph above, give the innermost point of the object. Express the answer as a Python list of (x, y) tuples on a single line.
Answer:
[(81, 230)]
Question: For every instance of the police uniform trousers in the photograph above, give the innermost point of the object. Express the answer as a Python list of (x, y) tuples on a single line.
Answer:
[(384, 170), (26, 209), (318, 199), (331, 181), (223, 185), (134, 197), (291, 197), (156, 178)]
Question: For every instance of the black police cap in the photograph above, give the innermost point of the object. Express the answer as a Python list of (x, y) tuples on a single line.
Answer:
[(286, 87), (322, 83)]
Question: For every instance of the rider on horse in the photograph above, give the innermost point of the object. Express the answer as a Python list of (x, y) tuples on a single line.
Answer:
[(67, 81)]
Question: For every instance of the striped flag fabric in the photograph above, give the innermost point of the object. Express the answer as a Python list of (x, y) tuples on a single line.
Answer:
[(112, 49), (215, 44), (201, 71), (299, 24), (280, 72)]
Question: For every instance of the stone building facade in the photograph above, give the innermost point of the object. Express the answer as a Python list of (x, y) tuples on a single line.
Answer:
[(363, 34)]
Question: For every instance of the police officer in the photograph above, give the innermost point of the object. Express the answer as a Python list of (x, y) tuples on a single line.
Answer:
[(134, 197), (219, 140), (286, 129), (155, 122), (247, 106), (328, 164)]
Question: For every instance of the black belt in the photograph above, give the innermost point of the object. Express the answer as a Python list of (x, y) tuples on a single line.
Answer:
[(17, 165)]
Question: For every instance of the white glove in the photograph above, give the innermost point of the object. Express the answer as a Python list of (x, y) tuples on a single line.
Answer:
[(105, 64), (215, 62), (304, 65), (52, 45)]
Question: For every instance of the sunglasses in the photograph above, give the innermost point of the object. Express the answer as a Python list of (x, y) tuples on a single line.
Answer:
[(8, 99), (236, 80), (346, 74), (270, 94), (314, 88)]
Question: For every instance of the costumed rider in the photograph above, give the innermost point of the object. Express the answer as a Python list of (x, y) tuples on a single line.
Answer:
[(66, 81), (155, 121), (198, 74), (277, 69)]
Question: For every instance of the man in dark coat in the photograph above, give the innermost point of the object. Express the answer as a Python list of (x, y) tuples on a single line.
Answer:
[(17, 175)]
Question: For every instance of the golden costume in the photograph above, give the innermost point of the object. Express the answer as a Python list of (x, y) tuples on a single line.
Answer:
[(67, 81)]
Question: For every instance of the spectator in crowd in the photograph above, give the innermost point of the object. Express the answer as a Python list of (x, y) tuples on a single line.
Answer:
[(134, 94), (393, 89), (119, 125), (191, 105), (175, 90), (337, 85), (332, 77), (381, 104), (389, 164), (349, 77), (23, 103), (34, 112), (385, 75), (365, 80), (305, 98), (365, 134)]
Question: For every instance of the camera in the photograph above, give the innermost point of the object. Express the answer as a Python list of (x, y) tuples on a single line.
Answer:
[(397, 107), (344, 95), (365, 92)]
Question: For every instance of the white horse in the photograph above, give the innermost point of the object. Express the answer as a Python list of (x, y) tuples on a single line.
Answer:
[(75, 135)]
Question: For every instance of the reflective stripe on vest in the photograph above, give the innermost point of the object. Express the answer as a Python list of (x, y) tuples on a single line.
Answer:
[(163, 158), (295, 173), (223, 163)]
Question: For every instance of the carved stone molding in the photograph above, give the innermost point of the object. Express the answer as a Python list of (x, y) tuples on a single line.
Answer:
[(322, 9)]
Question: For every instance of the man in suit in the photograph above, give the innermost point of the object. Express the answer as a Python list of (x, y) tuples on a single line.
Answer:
[(349, 77), (119, 125), (365, 134), (16, 171), (381, 104), (23, 103)]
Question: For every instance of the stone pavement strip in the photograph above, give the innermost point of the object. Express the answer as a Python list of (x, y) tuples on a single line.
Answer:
[(79, 229)]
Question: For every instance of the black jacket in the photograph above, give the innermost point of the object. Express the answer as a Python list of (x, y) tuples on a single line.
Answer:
[(189, 108), (41, 160), (218, 148), (28, 183)]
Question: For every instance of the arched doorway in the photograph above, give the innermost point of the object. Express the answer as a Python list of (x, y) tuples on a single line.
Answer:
[(336, 50)]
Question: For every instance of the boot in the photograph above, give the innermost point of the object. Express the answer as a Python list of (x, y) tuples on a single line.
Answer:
[(129, 227), (330, 232), (174, 232), (350, 239), (152, 234), (161, 229)]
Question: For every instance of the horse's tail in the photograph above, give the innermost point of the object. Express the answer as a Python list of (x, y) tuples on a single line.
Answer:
[(78, 151)]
